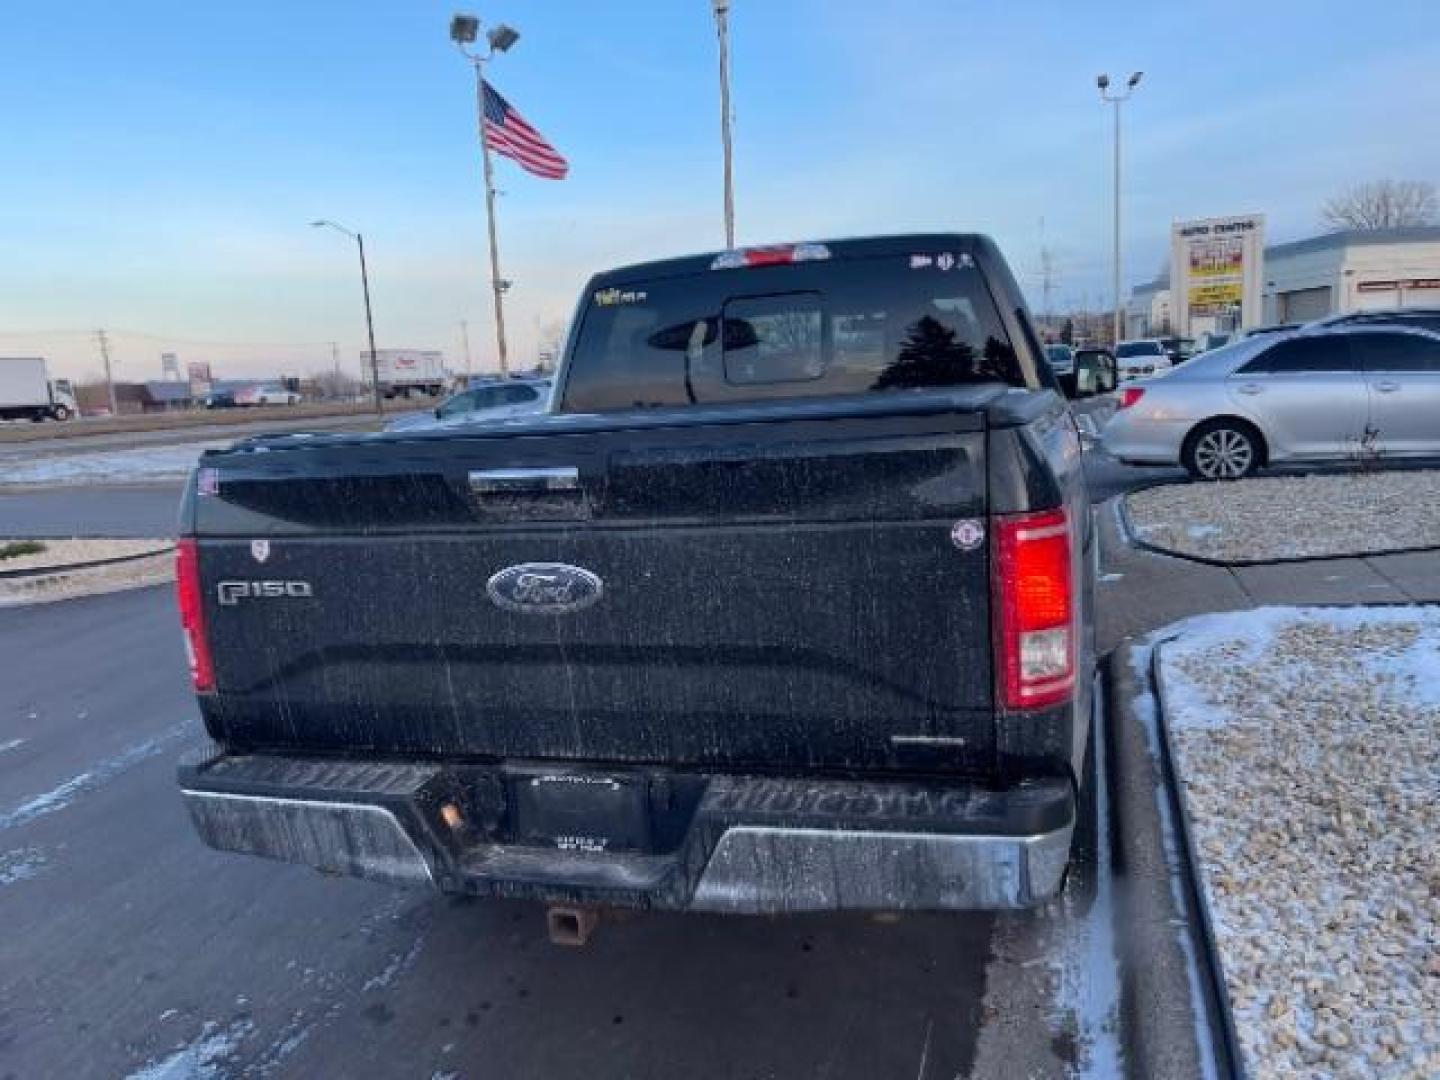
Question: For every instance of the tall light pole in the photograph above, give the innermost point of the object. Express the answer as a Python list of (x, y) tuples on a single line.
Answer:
[(464, 29), (722, 31), (1117, 99), (365, 285)]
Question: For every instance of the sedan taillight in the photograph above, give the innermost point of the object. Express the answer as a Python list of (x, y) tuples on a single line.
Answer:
[(1034, 602), (1131, 395)]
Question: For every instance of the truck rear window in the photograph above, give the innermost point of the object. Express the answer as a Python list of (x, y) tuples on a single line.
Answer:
[(849, 326)]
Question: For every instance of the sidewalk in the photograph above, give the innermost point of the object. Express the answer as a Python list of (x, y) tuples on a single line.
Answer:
[(1140, 590)]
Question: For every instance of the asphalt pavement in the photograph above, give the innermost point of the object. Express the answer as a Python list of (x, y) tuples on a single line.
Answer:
[(129, 945), (139, 949), (109, 510)]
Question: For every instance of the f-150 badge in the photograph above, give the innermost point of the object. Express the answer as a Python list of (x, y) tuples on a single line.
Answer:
[(544, 588)]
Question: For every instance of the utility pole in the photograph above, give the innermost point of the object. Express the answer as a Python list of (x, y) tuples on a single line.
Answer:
[(104, 342), (722, 31), (465, 337), (370, 326)]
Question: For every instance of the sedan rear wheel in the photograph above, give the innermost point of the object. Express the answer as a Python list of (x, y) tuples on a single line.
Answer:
[(1222, 451)]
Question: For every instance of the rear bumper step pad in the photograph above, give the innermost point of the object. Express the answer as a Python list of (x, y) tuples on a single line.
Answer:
[(755, 845)]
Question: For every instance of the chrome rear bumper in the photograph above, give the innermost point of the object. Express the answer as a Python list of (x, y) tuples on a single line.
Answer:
[(752, 847)]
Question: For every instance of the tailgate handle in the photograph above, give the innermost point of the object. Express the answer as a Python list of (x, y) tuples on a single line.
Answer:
[(524, 481)]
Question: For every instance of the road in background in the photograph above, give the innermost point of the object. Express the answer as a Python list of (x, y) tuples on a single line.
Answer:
[(72, 443), (118, 510)]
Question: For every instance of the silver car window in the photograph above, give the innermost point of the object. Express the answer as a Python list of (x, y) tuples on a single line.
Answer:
[(459, 404), (1322, 352), (1397, 352)]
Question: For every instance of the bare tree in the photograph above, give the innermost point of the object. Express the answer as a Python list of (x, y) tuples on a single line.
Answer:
[(1383, 204), (337, 385), (551, 342)]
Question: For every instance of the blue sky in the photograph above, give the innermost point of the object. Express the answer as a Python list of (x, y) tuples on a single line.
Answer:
[(163, 159)]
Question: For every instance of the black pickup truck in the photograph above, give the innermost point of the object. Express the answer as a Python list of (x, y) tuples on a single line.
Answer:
[(784, 606)]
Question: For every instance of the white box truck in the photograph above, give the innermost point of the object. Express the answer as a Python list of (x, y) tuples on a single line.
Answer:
[(28, 393), (409, 372)]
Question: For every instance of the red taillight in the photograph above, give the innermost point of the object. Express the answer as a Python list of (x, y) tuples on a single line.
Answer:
[(775, 255), (192, 615), (1130, 395), (1034, 602)]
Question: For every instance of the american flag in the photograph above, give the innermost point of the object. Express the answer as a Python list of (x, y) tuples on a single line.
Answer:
[(509, 134)]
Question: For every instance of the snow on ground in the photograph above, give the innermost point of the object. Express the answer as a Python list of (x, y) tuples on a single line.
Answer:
[(145, 464), (1309, 746), (207, 1057), (1276, 517)]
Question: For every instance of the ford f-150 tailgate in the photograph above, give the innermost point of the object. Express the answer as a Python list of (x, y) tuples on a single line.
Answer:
[(778, 585)]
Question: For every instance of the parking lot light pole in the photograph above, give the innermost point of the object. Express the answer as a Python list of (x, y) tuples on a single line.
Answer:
[(722, 32), (464, 29), (365, 285), (1117, 99)]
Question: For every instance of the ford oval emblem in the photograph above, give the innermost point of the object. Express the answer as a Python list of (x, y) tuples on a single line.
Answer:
[(545, 588)]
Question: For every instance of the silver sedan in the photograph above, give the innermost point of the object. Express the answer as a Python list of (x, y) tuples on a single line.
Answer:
[(1322, 393)]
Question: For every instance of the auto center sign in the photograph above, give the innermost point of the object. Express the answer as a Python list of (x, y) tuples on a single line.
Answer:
[(1216, 269)]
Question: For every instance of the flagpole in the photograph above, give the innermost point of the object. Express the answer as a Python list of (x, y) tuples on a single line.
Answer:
[(497, 283)]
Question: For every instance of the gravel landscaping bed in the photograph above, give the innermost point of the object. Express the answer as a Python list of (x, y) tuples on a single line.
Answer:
[(86, 549), (1308, 741), (1286, 517), (41, 587)]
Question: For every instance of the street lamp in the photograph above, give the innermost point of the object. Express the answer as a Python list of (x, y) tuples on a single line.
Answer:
[(1117, 99), (722, 31), (365, 285), (464, 29)]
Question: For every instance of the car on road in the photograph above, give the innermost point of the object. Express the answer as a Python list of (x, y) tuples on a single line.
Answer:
[(1320, 394), (221, 399), (785, 607), (480, 404), (266, 394), (1137, 359)]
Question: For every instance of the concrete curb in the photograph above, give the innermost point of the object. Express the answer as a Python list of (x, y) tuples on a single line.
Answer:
[(1173, 992), (1199, 898), (65, 568)]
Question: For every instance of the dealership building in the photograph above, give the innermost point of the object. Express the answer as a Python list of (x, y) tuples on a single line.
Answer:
[(1332, 274)]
